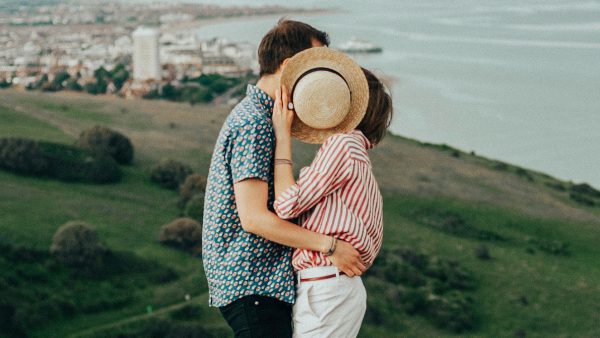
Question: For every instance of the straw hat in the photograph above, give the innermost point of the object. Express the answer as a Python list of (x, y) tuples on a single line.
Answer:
[(329, 92)]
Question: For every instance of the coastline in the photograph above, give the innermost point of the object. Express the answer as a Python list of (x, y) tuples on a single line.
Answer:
[(199, 23)]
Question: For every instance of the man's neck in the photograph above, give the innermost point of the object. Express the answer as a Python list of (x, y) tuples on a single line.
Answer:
[(269, 84)]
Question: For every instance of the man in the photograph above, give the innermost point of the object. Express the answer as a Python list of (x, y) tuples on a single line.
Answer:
[(246, 247)]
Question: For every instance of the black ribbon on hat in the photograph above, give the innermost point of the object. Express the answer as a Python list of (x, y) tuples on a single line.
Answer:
[(317, 69)]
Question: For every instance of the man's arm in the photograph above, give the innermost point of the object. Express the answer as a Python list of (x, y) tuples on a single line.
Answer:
[(251, 197)]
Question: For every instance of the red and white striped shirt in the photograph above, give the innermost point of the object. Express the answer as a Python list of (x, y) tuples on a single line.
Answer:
[(337, 195)]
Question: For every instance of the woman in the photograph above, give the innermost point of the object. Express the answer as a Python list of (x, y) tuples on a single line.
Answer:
[(336, 195)]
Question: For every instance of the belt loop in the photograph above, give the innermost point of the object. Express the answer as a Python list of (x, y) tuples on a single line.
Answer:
[(337, 273)]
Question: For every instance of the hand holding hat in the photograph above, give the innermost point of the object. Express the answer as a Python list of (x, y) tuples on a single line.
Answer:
[(283, 115), (329, 92)]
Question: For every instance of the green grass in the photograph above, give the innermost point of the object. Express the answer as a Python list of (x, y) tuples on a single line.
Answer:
[(562, 291), (16, 124)]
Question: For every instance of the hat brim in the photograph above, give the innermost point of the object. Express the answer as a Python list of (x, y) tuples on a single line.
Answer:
[(350, 71)]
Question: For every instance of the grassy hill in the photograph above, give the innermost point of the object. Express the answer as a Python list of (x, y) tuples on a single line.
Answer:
[(447, 205)]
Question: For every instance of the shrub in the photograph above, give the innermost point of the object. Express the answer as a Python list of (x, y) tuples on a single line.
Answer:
[(22, 156), (68, 163), (482, 252), (188, 312), (550, 246), (419, 284), (194, 184), (103, 140), (76, 244), (454, 311), (524, 173), (170, 173), (582, 199), (455, 224), (585, 189), (175, 329), (183, 233), (195, 208)]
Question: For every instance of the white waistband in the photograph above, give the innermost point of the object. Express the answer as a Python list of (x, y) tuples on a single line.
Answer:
[(318, 271)]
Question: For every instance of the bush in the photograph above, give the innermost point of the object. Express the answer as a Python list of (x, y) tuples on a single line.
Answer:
[(454, 311), (22, 156), (455, 224), (67, 163), (188, 312), (585, 189), (76, 244), (552, 247), (195, 208), (193, 185), (173, 329), (103, 140), (170, 173), (418, 284), (182, 233), (582, 199), (482, 252)]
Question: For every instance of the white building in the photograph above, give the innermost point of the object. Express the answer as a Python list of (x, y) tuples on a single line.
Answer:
[(146, 60)]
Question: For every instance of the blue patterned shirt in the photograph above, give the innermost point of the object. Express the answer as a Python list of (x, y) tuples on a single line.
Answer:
[(238, 263)]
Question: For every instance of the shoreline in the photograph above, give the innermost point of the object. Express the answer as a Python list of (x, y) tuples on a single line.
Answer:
[(199, 23)]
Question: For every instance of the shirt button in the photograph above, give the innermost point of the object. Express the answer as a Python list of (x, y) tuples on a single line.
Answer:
[(256, 303)]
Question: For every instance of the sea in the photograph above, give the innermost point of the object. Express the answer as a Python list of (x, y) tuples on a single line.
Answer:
[(514, 80)]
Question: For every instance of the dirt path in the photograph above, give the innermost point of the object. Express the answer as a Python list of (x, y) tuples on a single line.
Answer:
[(194, 300), (48, 116)]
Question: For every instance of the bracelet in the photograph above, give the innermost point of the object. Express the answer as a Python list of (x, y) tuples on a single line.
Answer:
[(283, 161), (332, 248)]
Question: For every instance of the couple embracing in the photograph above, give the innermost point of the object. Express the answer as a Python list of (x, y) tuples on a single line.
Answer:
[(283, 257)]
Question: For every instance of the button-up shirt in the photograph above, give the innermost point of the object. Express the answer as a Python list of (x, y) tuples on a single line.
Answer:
[(238, 263), (337, 195)]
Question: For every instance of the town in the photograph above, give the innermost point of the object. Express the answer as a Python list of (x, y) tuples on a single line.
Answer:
[(150, 51)]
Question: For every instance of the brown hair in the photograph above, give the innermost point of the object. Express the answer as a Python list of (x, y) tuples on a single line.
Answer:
[(285, 40), (379, 111)]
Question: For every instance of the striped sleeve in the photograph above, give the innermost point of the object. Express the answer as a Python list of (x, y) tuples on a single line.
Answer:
[(330, 170)]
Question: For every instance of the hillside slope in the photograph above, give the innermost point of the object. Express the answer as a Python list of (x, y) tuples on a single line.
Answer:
[(438, 200)]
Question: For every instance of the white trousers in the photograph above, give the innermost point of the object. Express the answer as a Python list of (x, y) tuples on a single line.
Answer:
[(332, 307)]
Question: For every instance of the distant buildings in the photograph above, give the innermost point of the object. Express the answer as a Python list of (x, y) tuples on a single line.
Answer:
[(146, 59)]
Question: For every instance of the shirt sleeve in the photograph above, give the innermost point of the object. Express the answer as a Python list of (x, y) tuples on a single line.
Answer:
[(330, 170), (251, 152)]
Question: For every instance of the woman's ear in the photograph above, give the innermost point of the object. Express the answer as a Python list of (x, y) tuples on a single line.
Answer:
[(283, 64)]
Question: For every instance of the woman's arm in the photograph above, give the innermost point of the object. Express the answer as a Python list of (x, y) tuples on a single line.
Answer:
[(282, 123), (331, 168)]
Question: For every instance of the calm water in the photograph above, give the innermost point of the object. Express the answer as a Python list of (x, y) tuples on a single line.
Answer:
[(517, 81)]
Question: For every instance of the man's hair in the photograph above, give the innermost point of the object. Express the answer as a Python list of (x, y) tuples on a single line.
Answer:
[(285, 40), (379, 111)]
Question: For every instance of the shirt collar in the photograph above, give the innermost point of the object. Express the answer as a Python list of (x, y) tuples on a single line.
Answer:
[(365, 140), (261, 99)]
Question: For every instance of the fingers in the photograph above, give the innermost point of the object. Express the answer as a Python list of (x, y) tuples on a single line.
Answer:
[(361, 266), (284, 98), (278, 99)]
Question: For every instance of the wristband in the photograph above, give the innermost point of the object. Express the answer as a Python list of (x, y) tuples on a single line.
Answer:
[(332, 248), (283, 161)]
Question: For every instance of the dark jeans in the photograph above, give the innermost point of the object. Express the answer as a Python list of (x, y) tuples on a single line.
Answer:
[(259, 317)]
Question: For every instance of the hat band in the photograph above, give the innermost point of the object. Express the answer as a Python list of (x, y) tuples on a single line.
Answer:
[(317, 69)]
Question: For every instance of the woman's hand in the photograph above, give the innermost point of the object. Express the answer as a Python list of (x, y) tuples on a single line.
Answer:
[(347, 259), (282, 115)]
